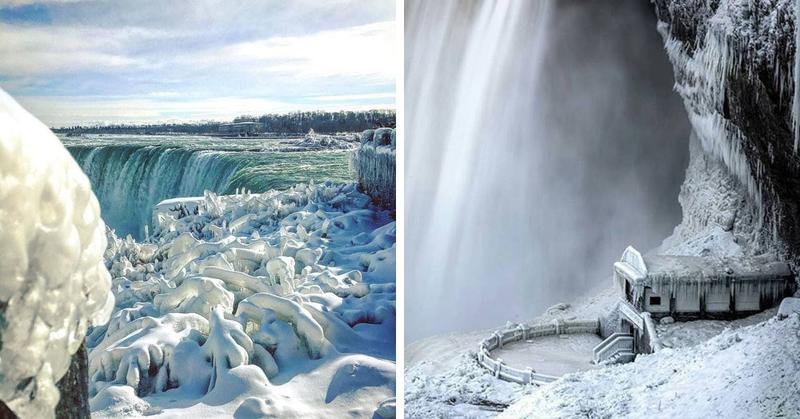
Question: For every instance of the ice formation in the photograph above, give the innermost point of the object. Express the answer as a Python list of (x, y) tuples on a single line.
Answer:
[(374, 164), (314, 141), (274, 304), (54, 283), (735, 40)]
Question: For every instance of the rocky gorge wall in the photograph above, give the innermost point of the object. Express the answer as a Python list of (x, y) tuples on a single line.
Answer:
[(735, 66)]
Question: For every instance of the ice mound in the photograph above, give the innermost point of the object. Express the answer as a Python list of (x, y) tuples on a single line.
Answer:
[(252, 304), (374, 164), (53, 281), (314, 141)]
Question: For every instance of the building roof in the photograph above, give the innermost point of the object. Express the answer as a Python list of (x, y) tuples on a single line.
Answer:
[(660, 268)]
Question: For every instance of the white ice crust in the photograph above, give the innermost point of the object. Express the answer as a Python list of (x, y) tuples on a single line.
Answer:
[(52, 279), (279, 304)]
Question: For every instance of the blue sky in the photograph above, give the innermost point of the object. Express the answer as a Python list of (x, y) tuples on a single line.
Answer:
[(86, 61)]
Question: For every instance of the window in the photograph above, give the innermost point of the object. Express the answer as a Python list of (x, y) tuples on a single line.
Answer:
[(655, 301)]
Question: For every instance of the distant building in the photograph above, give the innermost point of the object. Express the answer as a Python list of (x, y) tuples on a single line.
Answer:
[(240, 128)]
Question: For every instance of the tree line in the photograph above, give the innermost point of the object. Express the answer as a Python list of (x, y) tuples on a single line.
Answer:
[(288, 123)]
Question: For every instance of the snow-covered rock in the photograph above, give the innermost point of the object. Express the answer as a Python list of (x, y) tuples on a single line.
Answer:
[(53, 282), (788, 307)]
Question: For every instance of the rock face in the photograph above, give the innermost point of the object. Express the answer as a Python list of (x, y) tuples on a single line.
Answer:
[(74, 388), (734, 65)]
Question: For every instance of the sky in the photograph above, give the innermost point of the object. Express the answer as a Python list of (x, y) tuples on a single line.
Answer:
[(75, 62)]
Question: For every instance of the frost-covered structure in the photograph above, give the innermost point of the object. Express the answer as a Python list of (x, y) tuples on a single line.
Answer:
[(53, 283), (690, 287), (274, 304), (374, 164)]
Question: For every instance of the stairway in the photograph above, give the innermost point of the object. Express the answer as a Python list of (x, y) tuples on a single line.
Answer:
[(617, 348)]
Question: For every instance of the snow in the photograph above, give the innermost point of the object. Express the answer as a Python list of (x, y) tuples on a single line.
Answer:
[(275, 304), (735, 374), (54, 283), (551, 355), (788, 307), (699, 268), (444, 379)]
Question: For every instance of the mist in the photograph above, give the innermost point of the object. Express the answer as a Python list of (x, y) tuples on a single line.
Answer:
[(541, 139)]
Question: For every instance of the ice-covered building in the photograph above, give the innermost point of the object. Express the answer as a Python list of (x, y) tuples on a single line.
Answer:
[(652, 287), (692, 287)]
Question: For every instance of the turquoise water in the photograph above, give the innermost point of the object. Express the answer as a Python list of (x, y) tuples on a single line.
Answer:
[(130, 174)]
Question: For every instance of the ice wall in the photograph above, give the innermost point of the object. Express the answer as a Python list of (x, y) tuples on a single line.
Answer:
[(719, 218), (374, 165), (53, 282), (536, 153)]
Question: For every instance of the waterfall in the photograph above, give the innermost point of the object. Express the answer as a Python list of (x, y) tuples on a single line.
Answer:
[(542, 137), (130, 177)]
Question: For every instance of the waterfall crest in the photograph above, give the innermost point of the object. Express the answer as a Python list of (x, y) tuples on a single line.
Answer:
[(130, 177)]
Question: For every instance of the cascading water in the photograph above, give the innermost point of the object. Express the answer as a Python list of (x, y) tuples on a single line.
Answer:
[(542, 138), (131, 174)]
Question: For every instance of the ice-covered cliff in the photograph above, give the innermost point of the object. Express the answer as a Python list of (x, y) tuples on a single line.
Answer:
[(736, 68)]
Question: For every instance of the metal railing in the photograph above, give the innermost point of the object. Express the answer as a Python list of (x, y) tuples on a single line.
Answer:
[(615, 344), (524, 332)]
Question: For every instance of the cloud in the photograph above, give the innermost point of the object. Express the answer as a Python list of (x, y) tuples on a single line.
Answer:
[(339, 98), (38, 50), (366, 50), (154, 58), (19, 3)]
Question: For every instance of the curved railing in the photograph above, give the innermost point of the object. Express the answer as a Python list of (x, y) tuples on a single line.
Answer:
[(524, 332)]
